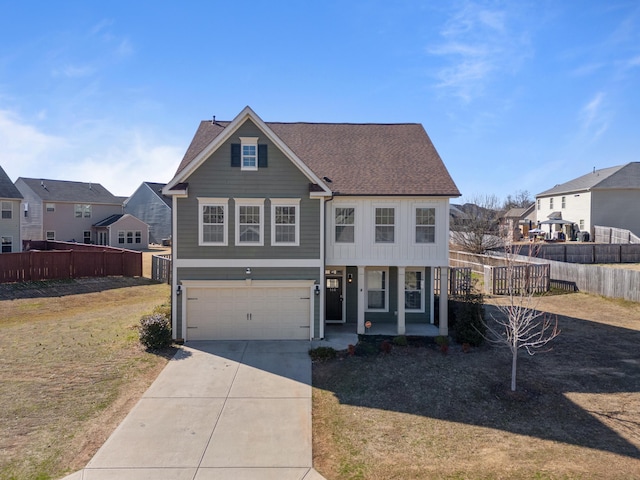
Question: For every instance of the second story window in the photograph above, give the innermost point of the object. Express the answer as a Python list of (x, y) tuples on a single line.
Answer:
[(82, 211), (50, 207), (425, 225), (7, 210), (385, 225), (551, 203), (564, 202), (345, 225), (539, 205), (213, 221), (249, 153), (285, 222), (249, 222)]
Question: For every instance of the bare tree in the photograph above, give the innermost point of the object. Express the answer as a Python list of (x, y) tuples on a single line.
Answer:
[(521, 199), (520, 325), (474, 225)]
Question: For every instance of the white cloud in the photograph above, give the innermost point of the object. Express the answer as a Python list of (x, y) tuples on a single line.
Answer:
[(594, 117), (74, 71)]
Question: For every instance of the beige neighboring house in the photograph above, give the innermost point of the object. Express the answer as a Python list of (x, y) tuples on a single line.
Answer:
[(63, 210), (607, 197), (518, 221), (10, 200), (122, 231)]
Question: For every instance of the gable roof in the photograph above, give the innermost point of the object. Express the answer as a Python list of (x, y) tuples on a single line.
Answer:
[(345, 158), (157, 189), (110, 220), (66, 191), (620, 177), (7, 188)]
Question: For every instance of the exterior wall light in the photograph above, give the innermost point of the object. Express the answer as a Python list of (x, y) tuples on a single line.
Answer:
[(349, 278), (248, 271), (316, 289)]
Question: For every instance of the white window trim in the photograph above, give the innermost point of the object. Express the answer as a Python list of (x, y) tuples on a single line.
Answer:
[(10, 242), (355, 219), (248, 141), (249, 202), (50, 207), (422, 290), (396, 211), (386, 290), (213, 202), (550, 203), (285, 202), (84, 209), (414, 224), (46, 236), (563, 202), (10, 209)]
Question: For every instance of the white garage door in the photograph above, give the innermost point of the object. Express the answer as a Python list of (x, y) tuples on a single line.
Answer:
[(248, 313)]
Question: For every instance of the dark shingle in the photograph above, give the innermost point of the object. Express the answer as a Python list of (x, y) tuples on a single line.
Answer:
[(65, 191), (7, 188)]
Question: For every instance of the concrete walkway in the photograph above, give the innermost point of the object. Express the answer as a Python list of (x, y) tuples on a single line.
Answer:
[(219, 410)]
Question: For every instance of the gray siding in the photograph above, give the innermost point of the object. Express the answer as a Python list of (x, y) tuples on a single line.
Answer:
[(148, 207), (31, 225), (238, 273), (216, 178), (10, 227)]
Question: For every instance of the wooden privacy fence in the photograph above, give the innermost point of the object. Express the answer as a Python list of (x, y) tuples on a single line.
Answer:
[(35, 265), (161, 268), (516, 279), (459, 281)]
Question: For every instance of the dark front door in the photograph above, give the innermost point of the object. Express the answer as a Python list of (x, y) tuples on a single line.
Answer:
[(333, 299)]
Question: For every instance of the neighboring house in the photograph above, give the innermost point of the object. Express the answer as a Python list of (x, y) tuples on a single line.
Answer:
[(123, 231), (608, 197), (282, 227), (10, 199), (63, 210), (152, 207), (518, 222)]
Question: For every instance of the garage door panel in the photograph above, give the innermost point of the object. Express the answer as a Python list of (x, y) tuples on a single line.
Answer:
[(248, 313)]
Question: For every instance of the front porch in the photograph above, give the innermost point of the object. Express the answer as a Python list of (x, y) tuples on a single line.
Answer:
[(340, 336)]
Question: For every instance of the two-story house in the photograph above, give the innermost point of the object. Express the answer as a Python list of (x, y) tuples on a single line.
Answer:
[(607, 197), (64, 210), (10, 200), (280, 228), (152, 207)]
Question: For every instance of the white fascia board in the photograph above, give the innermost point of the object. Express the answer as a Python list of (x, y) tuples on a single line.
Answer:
[(246, 114), (248, 262)]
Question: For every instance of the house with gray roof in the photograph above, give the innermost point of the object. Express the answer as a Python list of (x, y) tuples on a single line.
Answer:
[(280, 229), (64, 210), (122, 230), (10, 200), (152, 207), (607, 197)]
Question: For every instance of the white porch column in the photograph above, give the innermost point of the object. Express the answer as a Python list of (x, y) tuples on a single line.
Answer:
[(444, 310), (361, 303), (401, 320)]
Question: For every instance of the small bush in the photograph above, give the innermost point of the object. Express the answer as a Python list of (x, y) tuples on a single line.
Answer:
[(400, 341), (385, 346), (322, 353), (155, 331), (365, 349), (466, 315)]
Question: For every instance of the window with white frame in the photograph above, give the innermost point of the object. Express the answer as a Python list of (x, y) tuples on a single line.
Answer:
[(385, 225), (82, 210), (551, 203), (377, 290), (249, 221), (539, 204), (138, 236), (581, 223), (213, 221), (564, 202), (86, 236), (414, 290), (7, 210), (129, 237), (285, 221), (50, 236), (425, 225), (249, 153), (121, 237), (345, 224), (7, 244), (50, 207)]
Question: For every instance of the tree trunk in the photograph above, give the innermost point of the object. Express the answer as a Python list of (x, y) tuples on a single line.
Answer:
[(514, 364)]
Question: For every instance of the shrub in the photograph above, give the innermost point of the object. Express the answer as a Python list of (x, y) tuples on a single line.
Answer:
[(400, 341), (365, 349), (466, 316), (322, 353), (385, 346), (155, 331)]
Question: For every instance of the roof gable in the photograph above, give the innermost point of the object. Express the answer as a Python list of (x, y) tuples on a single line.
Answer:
[(156, 188), (7, 188), (619, 177), (67, 191), (346, 159)]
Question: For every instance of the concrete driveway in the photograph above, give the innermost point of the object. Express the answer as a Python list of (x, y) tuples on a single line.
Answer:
[(219, 410)]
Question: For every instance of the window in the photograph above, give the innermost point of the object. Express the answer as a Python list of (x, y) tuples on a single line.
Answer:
[(50, 207), (249, 226), (249, 153), (551, 203), (213, 221), (413, 290), (7, 244), (7, 210), (82, 211), (425, 225), (121, 238), (86, 236), (138, 235), (538, 202), (285, 222), (377, 290), (564, 202), (129, 237), (581, 224), (385, 225), (345, 220), (50, 236)]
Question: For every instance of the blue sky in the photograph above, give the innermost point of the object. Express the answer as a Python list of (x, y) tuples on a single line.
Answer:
[(515, 95)]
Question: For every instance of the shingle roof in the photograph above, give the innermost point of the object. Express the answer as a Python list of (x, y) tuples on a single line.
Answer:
[(7, 188), (110, 220), (359, 159), (66, 191), (621, 176), (157, 189)]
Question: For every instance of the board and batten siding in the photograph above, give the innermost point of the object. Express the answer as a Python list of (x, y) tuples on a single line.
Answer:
[(238, 273), (364, 251), (215, 178)]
